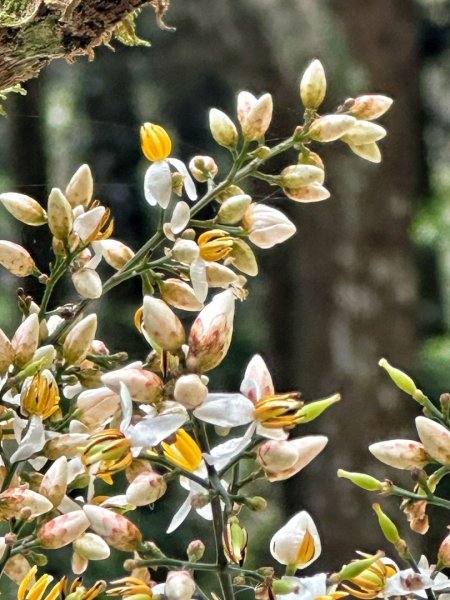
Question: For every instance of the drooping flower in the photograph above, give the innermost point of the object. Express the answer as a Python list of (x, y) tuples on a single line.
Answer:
[(156, 145), (296, 544)]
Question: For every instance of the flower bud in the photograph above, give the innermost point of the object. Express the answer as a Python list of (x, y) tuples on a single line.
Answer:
[(364, 132), (87, 283), (255, 503), (16, 259), (185, 251), (79, 339), (146, 488), (67, 444), (218, 275), (203, 168), (401, 454), (54, 484), (80, 188), (144, 386), (117, 531), (401, 380), (190, 391), (299, 175), (179, 586), (366, 482), (297, 544), (179, 294), (267, 226), (195, 550), (330, 127), (235, 540), (25, 340), (15, 499), (255, 115), (6, 353), (91, 546), (444, 553), (315, 192), (243, 258), (222, 129), (388, 527), (24, 208), (369, 152), (233, 209), (370, 106), (45, 355), (95, 407), (60, 216), (162, 325), (115, 253), (62, 530), (211, 333), (435, 438), (155, 142), (282, 459), (311, 158), (313, 85)]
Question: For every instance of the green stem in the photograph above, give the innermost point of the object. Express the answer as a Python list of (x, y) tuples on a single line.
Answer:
[(431, 499)]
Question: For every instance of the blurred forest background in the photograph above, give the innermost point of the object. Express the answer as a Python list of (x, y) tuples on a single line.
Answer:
[(368, 274)]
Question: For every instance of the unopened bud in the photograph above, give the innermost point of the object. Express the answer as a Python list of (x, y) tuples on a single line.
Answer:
[(330, 127), (370, 106), (79, 339), (195, 550), (24, 208), (364, 132), (311, 158), (435, 439), (60, 216), (87, 283), (299, 175), (117, 531), (6, 353), (400, 454), (203, 168), (366, 482), (62, 530), (280, 587), (162, 325), (144, 386), (91, 546), (282, 459), (254, 114), (256, 503), (444, 553), (314, 192), (80, 188), (146, 488), (179, 294), (179, 586), (25, 340), (16, 259), (233, 209), (54, 484), (115, 253), (401, 379), (218, 275), (222, 129), (243, 258), (185, 251), (369, 152), (313, 85), (190, 391)]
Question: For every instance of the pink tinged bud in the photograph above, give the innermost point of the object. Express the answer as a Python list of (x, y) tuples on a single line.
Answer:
[(95, 406), (115, 253), (369, 152), (211, 333), (297, 544), (16, 259), (195, 550), (370, 107), (17, 568), (267, 226), (282, 459), (233, 209), (60, 215), (254, 115), (300, 175), (17, 500), (62, 530), (146, 488), (6, 353), (400, 454), (364, 132), (222, 128), (25, 340), (162, 325), (313, 85), (435, 438), (190, 391), (67, 444), (86, 224), (79, 340), (309, 193), (54, 484), (444, 552), (179, 294), (24, 208), (80, 188), (179, 586), (144, 386), (218, 275), (117, 531), (330, 127), (87, 283)]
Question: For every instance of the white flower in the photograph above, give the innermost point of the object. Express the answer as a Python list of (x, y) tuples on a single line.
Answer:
[(158, 182), (306, 588), (297, 544)]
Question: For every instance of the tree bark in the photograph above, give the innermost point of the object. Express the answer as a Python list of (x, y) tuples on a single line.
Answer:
[(35, 32)]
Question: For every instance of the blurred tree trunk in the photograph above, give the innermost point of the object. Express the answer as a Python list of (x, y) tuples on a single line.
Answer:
[(356, 297)]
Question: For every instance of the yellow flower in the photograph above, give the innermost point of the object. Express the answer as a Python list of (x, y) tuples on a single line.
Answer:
[(155, 142), (131, 586), (215, 245), (184, 453), (37, 590), (279, 410), (40, 396), (371, 582), (109, 451)]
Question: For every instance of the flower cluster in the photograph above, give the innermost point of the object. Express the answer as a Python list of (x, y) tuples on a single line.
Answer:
[(73, 415)]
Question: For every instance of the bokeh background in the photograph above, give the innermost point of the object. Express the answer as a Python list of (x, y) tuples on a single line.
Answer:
[(368, 274)]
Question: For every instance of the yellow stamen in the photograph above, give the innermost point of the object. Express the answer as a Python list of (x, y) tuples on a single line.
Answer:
[(129, 586), (215, 245), (41, 397), (155, 142), (370, 583), (278, 411), (138, 318), (184, 453), (26, 582), (104, 229), (109, 451), (306, 550)]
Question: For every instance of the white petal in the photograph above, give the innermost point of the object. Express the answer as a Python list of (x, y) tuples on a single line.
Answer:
[(180, 515), (158, 184), (180, 217), (189, 184), (85, 224), (258, 371), (222, 454), (225, 410), (199, 281), (126, 404), (151, 431), (272, 434), (33, 441), (406, 582)]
